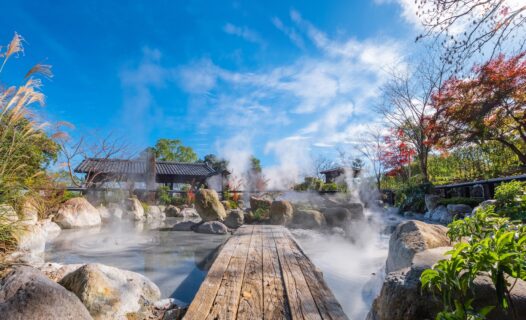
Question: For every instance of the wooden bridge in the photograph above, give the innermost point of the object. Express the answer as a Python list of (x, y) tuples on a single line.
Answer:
[(262, 273)]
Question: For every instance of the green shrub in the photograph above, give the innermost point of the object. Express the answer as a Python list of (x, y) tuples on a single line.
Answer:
[(8, 229), (459, 200), (511, 200), (163, 195), (492, 245), (145, 206), (412, 198)]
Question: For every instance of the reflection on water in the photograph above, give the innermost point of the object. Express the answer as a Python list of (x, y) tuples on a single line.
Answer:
[(353, 271), (176, 261)]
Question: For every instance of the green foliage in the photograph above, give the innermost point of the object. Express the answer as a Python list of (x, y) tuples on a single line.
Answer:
[(316, 184), (412, 197), (255, 164), (459, 200), (8, 229), (492, 245), (216, 163), (69, 195), (145, 206), (511, 200), (163, 195), (260, 214), (173, 150)]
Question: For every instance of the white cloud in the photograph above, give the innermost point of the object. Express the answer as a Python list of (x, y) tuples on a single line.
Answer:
[(291, 33), (244, 32)]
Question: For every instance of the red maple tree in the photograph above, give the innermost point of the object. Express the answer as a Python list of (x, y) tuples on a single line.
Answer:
[(397, 155), (489, 105)]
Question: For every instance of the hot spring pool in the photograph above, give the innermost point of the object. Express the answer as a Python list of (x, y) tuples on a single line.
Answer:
[(176, 261)]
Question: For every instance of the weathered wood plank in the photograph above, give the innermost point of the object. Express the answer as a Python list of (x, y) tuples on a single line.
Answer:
[(275, 303), (251, 299), (301, 302), (226, 302), (328, 306), (200, 306)]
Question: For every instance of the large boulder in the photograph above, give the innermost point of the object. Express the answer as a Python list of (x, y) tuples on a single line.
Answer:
[(52, 229), (135, 209), (32, 238), (208, 205), (459, 210), (439, 214), (77, 213), (355, 211), (189, 213), (260, 203), (431, 201), (172, 211), (212, 227), (235, 218), (484, 205), (25, 293), (411, 237), (184, 226), (111, 293), (155, 213), (309, 219), (281, 212), (336, 216), (105, 213)]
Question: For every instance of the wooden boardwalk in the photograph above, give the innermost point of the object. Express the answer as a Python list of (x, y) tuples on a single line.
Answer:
[(262, 273)]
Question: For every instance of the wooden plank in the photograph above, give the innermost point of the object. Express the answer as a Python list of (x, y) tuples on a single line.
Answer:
[(200, 306), (251, 298), (275, 303), (325, 300), (301, 302), (226, 302)]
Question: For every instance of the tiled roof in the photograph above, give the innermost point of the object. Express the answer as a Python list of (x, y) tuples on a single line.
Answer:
[(119, 166)]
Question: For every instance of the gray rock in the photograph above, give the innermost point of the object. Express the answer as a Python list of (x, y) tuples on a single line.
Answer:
[(111, 293), (77, 213), (441, 214), (155, 213), (208, 205), (336, 216), (135, 209), (411, 237), (431, 201), (260, 203), (172, 211), (212, 227), (25, 293), (189, 213), (310, 219), (184, 226), (235, 218), (459, 210), (281, 212), (483, 205)]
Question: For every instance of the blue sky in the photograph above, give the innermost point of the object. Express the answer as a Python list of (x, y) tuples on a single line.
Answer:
[(279, 79)]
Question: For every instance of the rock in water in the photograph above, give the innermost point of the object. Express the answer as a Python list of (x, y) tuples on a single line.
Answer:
[(336, 216), (77, 213), (212, 227), (111, 293), (155, 213), (411, 237), (104, 212), (135, 209), (25, 293), (310, 219), (208, 205), (172, 211), (184, 226), (281, 212), (235, 218)]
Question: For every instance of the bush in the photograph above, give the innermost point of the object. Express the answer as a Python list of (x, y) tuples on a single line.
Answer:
[(459, 200), (163, 195), (511, 200), (8, 230), (412, 198), (492, 245)]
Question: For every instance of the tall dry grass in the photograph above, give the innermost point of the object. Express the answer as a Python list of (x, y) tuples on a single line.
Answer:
[(18, 127)]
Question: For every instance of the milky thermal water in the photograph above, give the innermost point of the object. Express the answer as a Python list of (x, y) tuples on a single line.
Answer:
[(176, 261), (354, 270)]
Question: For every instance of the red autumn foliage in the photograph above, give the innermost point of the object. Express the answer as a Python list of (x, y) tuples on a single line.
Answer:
[(489, 105), (397, 154)]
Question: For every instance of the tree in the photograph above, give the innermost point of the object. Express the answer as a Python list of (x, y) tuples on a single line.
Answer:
[(407, 104), (492, 24), (255, 180), (174, 150), (255, 164), (397, 156), (216, 163), (489, 105), (373, 148)]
